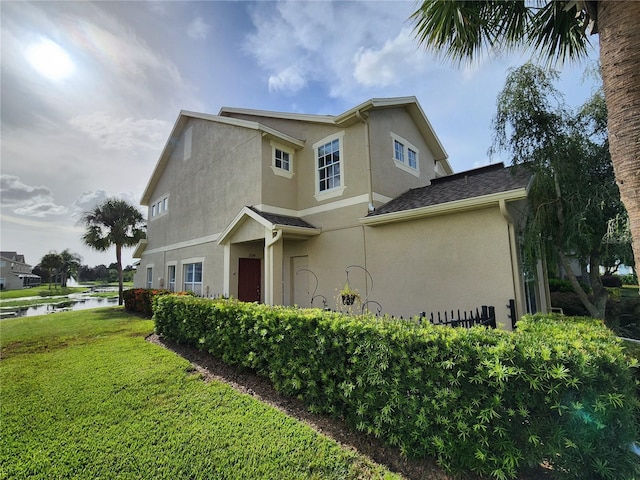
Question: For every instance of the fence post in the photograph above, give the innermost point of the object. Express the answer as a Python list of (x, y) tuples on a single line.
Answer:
[(512, 313)]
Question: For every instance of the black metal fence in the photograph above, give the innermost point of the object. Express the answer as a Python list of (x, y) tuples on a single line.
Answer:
[(485, 315)]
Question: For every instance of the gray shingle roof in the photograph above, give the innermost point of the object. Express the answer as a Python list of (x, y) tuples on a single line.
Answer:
[(460, 186), (283, 219)]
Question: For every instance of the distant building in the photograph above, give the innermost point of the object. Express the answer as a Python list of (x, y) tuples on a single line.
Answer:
[(15, 273)]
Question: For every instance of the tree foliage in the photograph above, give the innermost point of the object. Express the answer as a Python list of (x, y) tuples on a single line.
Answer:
[(574, 197), (556, 31), (116, 223)]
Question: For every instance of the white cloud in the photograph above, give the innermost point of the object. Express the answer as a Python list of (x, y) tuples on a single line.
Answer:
[(348, 47), (89, 200), (121, 133), (28, 200), (391, 64), (290, 80), (198, 29)]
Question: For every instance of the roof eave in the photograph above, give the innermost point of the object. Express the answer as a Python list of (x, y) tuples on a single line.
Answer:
[(448, 208)]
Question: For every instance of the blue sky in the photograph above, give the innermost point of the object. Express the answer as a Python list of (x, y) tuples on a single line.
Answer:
[(91, 90)]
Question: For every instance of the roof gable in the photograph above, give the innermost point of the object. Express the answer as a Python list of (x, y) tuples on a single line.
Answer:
[(357, 114), (292, 226), (179, 127)]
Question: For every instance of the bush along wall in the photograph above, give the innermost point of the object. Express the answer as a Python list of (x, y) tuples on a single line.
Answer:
[(487, 401)]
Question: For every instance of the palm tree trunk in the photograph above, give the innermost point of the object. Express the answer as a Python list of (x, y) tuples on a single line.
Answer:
[(619, 31), (119, 266)]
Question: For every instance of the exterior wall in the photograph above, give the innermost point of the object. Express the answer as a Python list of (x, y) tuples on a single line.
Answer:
[(459, 261), (206, 191), (387, 178)]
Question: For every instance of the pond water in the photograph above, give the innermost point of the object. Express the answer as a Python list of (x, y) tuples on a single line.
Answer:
[(72, 302)]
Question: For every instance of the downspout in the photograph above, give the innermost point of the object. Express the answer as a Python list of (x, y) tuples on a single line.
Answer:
[(513, 253), (367, 146), (370, 205)]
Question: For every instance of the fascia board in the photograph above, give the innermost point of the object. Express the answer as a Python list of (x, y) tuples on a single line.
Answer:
[(227, 111), (162, 160), (140, 248), (283, 137), (239, 220), (298, 231), (445, 208)]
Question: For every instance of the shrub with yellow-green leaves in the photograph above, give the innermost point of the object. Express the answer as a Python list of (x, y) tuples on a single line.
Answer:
[(488, 401)]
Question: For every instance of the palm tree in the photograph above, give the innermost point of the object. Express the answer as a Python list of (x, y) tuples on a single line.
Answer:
[(113, 222), (70, 263), (557, 31), (51, 262)]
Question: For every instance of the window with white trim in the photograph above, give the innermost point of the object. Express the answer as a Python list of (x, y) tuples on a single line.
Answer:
[(193, 278), (329, 167), (171, 278), (281, 160), (149, 277), (405, 156), (160, 207)]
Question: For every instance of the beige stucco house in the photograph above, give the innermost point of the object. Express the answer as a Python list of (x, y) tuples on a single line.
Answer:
[(284, 208), (15, 272)]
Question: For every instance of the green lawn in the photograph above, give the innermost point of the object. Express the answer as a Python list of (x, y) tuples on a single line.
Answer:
[(85, 396), (42, 291)]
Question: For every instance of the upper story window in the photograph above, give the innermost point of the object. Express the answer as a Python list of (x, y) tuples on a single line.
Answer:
[(405, 156), (281, 160), (160, 207), (329, 167)]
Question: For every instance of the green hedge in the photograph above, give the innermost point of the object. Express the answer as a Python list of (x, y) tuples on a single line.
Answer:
[(480, 400)]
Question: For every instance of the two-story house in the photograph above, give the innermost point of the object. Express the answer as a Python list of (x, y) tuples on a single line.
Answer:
[(15, 272), (284, 208)]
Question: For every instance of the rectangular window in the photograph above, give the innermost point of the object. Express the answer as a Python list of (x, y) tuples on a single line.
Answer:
[(413, 158), (149, 277), (282, 159), (171, 278), (329, 165), (165, 204), (193, 278), (153, 210), (398, 151)]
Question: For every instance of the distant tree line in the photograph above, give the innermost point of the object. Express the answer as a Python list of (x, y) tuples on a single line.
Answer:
[(58, 268)]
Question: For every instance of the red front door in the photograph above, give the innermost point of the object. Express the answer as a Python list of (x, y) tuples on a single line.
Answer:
[(249, 274)]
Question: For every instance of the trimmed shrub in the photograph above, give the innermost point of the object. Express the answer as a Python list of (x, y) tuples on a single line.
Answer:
[(488, 401), (629, 279), (140, 300)]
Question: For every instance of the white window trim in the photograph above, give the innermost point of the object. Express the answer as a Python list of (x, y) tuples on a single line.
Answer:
[(146, 279), (186, 262), (277, 170), (175, 280), (157, 208), (335, 191), (406, 146)]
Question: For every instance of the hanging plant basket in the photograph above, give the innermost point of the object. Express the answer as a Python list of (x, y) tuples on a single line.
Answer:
[(348, 298)]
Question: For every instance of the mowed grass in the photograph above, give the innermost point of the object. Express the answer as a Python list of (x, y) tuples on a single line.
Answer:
[(83, 395)]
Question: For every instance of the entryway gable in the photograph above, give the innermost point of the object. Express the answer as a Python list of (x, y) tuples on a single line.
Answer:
[(246, 226)]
